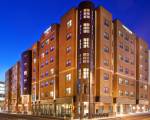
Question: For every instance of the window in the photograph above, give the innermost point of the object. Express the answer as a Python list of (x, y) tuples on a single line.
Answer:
[(52, 48), (52, 71), (52, 37), (106, 62), (106, 76), (51, 59), (46, 73), (47, 42), (69, 23), (120, 93), (25, 72), (145, 87), (46, 62), (126, 59), (126, 93), (106, 49), (132, 94), (79, 73), (127, 48), (85, 42), (106, 23), (46, 83), (42, 55), (68, 36), (86, 27), (42, 45), (46, 52), (68, 63), (42, 65), (106, 35), (121, 45), (126, 82), (68, 77), (86, 13), (120, 68), (126, 71), (85, 73), (85, 57), (51, 82), (126, 38), (68, 90), (68, 49), (106, 90), (120, 57), (120, 81), (120, 34), (51, 93), (34, 60)]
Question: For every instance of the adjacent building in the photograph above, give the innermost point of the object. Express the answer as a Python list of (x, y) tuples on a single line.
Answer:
[(2, 95), (142, 75), (88, 64)]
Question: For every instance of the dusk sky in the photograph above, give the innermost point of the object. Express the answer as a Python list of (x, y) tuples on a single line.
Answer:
[(23, 21)]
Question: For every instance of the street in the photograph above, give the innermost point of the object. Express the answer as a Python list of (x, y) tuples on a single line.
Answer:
[(4, 116)]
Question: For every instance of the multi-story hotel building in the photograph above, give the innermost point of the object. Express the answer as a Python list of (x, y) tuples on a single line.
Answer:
[(89, 64), (142, 75), (124, 83), (7, 90), (48, 70), (12, 89)]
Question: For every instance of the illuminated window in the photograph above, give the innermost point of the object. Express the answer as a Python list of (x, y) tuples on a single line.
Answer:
[(145, 87), (86, 13), (69, 23), (120, 81), (51, 93), (126, 82), (85, 42), (85, 73), (34, 60), (47, 42), (126, 93), (86, 27), (52, 71), (68, 49), (25, 72), (68, 77), (42, 55), (132, 94), (79, 73), (120, 93), (68, 90), (120, 57), (120, 33), (85, 57)]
